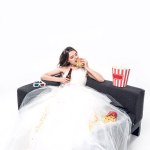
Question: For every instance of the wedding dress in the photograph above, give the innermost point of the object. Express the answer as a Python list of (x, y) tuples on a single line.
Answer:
[(69, 117)]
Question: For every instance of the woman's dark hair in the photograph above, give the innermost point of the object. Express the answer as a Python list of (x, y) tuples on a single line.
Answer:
[(63, 59)]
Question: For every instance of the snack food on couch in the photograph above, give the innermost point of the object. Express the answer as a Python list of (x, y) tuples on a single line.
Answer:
[(110, 117)]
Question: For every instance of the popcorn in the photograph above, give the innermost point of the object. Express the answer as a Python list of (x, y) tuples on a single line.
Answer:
[(95, 119), (110, 117)]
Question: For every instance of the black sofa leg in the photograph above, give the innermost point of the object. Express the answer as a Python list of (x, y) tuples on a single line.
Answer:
[(137, 131)]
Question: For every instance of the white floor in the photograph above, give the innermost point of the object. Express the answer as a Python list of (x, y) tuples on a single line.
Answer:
[(8, 113)]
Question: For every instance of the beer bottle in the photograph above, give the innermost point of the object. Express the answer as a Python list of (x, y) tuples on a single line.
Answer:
[(69, 74)]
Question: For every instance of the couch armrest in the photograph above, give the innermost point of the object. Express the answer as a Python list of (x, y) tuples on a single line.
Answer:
[(24, 90), (132, 98)]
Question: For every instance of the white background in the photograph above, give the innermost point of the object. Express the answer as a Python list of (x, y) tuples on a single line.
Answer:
[(33, 33)]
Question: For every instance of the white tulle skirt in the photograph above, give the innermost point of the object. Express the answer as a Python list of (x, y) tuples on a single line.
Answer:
[(69, 118)]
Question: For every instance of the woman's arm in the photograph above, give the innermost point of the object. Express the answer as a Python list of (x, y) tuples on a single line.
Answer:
[(93, 74), (49, 76)]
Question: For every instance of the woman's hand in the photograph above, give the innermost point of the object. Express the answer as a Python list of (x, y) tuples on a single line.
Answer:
[(64, 80), (84, 62)]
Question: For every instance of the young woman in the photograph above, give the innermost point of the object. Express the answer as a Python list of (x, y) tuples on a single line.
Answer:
[(71, 116), (68, 59)]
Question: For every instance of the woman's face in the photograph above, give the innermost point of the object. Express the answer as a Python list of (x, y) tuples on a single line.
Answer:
[(73, 55)]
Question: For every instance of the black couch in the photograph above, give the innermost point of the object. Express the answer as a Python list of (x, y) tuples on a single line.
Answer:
[(129, 98)]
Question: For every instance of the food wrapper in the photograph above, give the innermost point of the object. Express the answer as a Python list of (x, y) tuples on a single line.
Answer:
[(79, 64)]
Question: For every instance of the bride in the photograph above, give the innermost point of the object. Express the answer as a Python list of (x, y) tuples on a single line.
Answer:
[(71, 116)]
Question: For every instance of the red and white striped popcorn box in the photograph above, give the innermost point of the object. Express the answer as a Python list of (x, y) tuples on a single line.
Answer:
[(120, 76)]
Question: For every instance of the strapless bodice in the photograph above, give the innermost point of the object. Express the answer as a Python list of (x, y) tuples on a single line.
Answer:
[(78, 76)]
